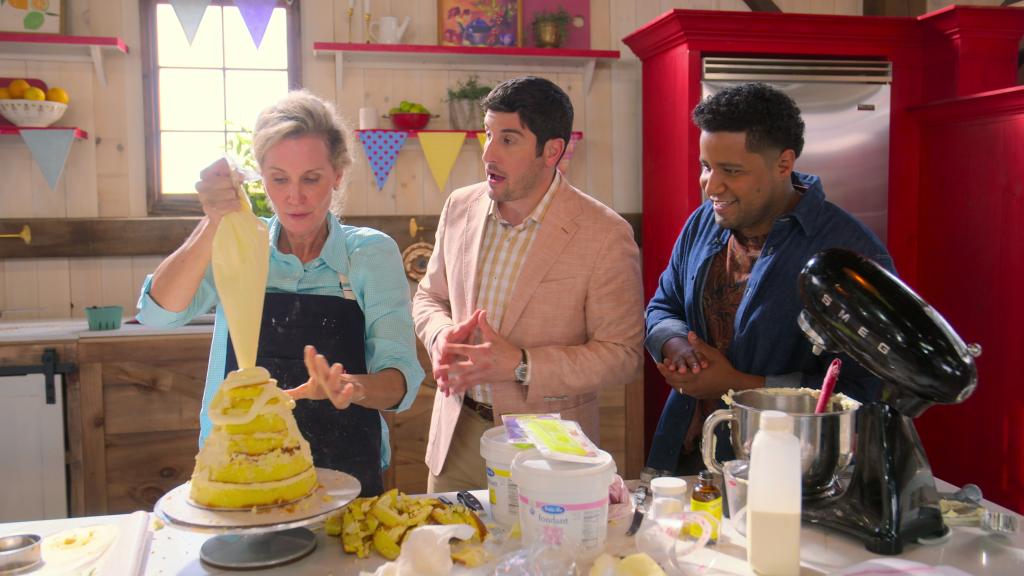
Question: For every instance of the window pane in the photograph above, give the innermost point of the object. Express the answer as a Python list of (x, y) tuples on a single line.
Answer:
[(172, 45), (183, 155), (239, 49), (250, 91), (191, 99)]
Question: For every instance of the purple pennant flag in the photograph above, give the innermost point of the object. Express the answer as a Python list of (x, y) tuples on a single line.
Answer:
[(190, 14), (256, 14), (382, 148), (50, 150)]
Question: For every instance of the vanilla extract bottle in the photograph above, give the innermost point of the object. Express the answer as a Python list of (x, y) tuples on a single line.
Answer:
[(707, 498)]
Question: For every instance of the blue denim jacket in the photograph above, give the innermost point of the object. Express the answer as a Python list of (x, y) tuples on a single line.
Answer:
[(767, 341)]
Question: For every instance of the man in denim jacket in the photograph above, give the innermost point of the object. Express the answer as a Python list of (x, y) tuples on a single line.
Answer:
[(725, 312)]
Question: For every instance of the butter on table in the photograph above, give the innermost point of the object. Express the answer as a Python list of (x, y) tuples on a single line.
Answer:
[(241, 260)]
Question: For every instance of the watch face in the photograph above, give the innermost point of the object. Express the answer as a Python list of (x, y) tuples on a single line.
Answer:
[(521, 372)]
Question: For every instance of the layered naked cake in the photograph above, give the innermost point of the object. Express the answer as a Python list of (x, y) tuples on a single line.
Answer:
[(255, 455)]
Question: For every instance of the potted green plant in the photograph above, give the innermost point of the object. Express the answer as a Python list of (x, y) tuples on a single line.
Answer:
[(240, 146), (464, 104), (550, 28)]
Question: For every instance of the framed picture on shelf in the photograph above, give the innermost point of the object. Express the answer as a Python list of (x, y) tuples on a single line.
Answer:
[(495, 23), (42, 16)]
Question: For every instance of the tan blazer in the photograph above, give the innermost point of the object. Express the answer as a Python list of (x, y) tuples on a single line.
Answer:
[(577, 307)]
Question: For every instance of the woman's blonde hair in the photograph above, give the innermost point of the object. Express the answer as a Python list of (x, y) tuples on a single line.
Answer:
[(298, 114)]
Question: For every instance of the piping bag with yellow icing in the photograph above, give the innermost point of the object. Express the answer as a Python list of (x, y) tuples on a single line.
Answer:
[(241, 259), (255, 454)]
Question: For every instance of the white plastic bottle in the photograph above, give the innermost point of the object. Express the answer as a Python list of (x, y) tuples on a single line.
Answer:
[(773, 498)]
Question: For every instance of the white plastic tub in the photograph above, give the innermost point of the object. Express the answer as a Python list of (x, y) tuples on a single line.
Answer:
[(501, 490), (564, 503)]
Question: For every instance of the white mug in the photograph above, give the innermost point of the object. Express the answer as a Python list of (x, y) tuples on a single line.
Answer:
[(368, 118)]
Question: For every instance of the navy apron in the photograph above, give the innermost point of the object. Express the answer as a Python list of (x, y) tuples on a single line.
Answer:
[(346, 440)]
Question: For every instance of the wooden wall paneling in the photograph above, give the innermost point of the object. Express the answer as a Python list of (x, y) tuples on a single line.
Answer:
[(79, 180), (627, 132), (598, 138), (143, 467), (17, 166), (116, 280), (849, 7), (86, 284), (797, 6), (645, 11), (3, 288), (54, 288), (423, 26), (737, 5), (94, 454), (320, 22), (21, 285)]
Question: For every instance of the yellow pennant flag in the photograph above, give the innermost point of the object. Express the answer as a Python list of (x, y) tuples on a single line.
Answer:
[(241, 261), (441, 150), (482, 137)]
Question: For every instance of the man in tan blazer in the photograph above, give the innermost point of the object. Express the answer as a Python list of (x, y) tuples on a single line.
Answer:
[(532, 299)]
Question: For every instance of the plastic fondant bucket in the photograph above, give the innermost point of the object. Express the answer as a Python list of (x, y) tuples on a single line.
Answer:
[(563, 503), (501, 490)]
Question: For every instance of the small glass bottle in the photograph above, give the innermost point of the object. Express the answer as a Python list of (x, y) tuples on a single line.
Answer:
[(706, 497)]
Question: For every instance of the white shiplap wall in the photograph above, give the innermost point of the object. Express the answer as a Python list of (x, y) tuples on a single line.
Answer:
[(105, 177)]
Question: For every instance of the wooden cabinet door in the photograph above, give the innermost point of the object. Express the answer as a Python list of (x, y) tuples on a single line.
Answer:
[(140, 405)]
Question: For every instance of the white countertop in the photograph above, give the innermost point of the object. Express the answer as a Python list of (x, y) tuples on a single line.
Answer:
[(33, 331), (176, 552)]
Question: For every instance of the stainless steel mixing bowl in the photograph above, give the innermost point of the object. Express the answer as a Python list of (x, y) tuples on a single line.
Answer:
[(827, 440)]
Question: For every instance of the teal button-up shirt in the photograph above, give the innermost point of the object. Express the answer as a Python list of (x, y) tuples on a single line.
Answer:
[(373, 267)]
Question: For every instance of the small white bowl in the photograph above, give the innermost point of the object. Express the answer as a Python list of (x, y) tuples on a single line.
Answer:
[(32, 113)]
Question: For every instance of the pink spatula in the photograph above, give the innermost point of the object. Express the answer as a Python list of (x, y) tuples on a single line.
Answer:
[(826, 387)]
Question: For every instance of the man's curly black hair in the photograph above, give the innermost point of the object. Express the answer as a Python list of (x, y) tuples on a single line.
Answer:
[(770, 118)]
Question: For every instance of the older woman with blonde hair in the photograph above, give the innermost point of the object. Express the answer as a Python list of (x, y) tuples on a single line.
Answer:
[(336, 329)]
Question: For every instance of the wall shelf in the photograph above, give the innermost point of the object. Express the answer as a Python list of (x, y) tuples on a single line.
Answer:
[(12, 130), (470, 134), (60, 48), (414, 56)]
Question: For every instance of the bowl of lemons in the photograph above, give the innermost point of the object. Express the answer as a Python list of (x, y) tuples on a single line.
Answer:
[(28, 106)]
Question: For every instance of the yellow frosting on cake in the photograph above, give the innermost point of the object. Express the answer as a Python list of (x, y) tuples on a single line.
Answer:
[(255, 455)]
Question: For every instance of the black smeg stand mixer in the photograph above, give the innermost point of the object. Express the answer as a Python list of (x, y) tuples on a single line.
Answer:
[(853, 305)]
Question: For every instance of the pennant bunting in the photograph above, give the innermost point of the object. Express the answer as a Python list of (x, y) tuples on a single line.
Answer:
[(256, 14), (190, 14), (50, 150), (382, 148), (441, 150), (482, 137)]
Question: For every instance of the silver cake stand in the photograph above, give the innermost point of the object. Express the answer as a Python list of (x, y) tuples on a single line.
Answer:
[(260, 537)]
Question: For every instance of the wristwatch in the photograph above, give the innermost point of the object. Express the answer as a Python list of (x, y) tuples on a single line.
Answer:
[(522, 370)]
